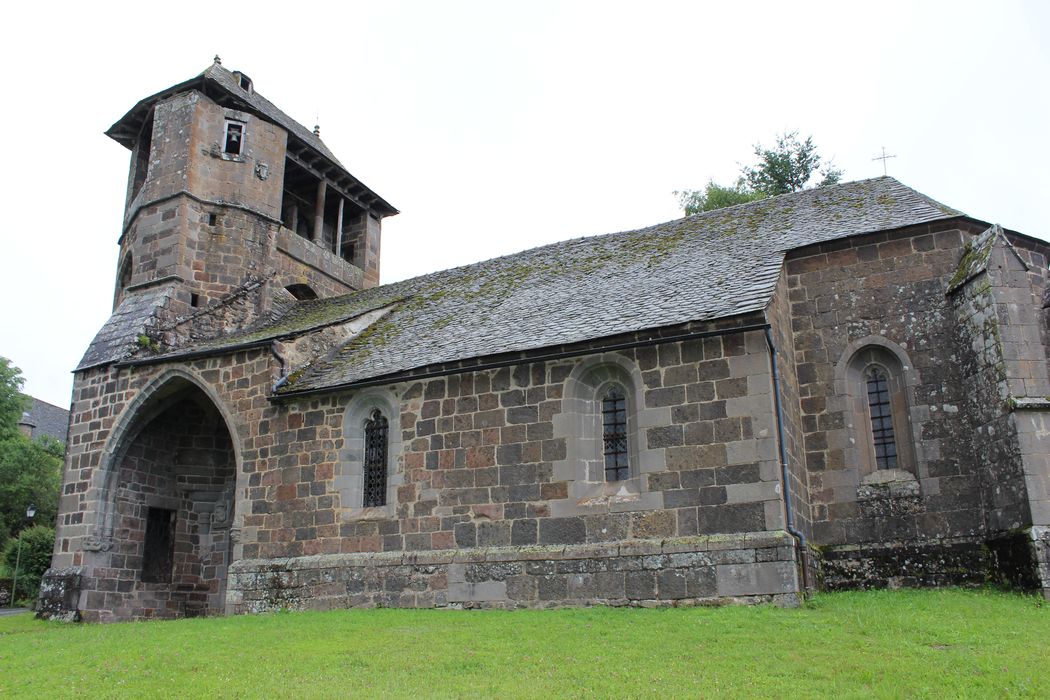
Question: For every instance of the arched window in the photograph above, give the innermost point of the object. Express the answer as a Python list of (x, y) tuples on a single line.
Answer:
[(604, 422), (375, 460), (881, 413), (125, 273), (875, 377), (368, 474), (302, 292), (614, 434)]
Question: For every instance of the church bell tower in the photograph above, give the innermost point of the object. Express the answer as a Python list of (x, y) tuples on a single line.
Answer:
[(225, 190)]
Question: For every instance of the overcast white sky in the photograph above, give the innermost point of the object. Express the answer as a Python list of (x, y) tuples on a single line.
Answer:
[(499, 126)]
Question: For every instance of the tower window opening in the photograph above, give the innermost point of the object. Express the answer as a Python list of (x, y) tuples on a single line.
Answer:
[(195, 300), (125, 273), (234, 138), (302, 292), (212, 219), (347, 253)]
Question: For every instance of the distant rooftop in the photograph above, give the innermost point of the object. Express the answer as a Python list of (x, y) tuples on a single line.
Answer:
[(44, 418)]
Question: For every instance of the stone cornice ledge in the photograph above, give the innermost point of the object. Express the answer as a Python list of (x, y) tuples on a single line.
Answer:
[(1030, 403), (625, 548)]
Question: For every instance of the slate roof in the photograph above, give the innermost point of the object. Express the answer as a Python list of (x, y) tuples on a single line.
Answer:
[(303, 317), (46, 419), (118, 337), (125, 130), (712, 265)]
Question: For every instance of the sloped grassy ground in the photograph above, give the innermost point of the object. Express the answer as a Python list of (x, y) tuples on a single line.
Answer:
[(947, 643)]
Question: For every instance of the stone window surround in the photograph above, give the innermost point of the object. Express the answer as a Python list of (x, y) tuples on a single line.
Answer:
[(580, 423), (851, 386), (233, 117), (350, 477)]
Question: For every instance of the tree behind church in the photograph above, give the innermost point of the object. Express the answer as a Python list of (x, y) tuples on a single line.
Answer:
[(30, 470), (787, 167)]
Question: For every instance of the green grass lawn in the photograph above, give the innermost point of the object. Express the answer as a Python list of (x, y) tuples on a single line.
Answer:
[(934, 644)]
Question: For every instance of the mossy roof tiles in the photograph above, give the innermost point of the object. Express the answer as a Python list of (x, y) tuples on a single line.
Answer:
[(703, 267), (712, 265), (118, 337)]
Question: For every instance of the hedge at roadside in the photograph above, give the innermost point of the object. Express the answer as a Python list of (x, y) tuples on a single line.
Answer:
[(38, 543)]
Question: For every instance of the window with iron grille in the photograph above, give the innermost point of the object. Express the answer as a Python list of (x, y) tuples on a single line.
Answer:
[(881, 418), (614, 434), (375, 460)]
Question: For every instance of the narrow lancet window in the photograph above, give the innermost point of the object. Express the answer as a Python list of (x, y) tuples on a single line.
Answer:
[(614, 434), (375, 460), (125, 273), (881, 418)]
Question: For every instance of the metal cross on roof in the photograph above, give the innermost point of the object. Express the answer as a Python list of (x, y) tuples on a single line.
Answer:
[(884, 158)]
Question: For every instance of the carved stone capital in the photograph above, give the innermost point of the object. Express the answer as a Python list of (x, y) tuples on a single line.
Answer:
[(97, 543)]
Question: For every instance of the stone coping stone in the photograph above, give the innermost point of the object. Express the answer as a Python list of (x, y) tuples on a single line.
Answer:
[(861, 547), (629, 548), (1030, 403)]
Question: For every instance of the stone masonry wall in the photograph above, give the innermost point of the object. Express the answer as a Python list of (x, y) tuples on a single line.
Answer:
[(483, 473), (887, 291), (107, 404), (686, 571), (990, 435), (1018, 277), (482, 466), (254, 178), (781, 328), (480, 455), (181, 461), (212, 219), (966, 354), (1005, 376)]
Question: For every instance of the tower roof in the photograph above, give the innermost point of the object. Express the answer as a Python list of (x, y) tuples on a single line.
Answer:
[(228, 89)]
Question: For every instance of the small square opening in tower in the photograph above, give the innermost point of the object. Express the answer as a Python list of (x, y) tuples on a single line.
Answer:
[(234, 138)]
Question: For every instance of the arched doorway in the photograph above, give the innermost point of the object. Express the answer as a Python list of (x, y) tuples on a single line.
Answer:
[(173, 504)]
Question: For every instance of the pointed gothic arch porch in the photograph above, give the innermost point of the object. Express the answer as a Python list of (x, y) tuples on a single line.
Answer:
[(167, 503)]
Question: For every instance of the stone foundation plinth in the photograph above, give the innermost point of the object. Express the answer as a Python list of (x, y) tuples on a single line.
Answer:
[(1040, 538), (1010, 559), (754, 567), (59, 594)]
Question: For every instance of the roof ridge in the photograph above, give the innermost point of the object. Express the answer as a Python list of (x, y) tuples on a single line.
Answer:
[(47, 403), (798, 193), (699, 216), (690, 270)]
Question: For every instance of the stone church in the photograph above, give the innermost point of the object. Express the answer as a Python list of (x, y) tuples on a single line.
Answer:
[(841, 387)]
